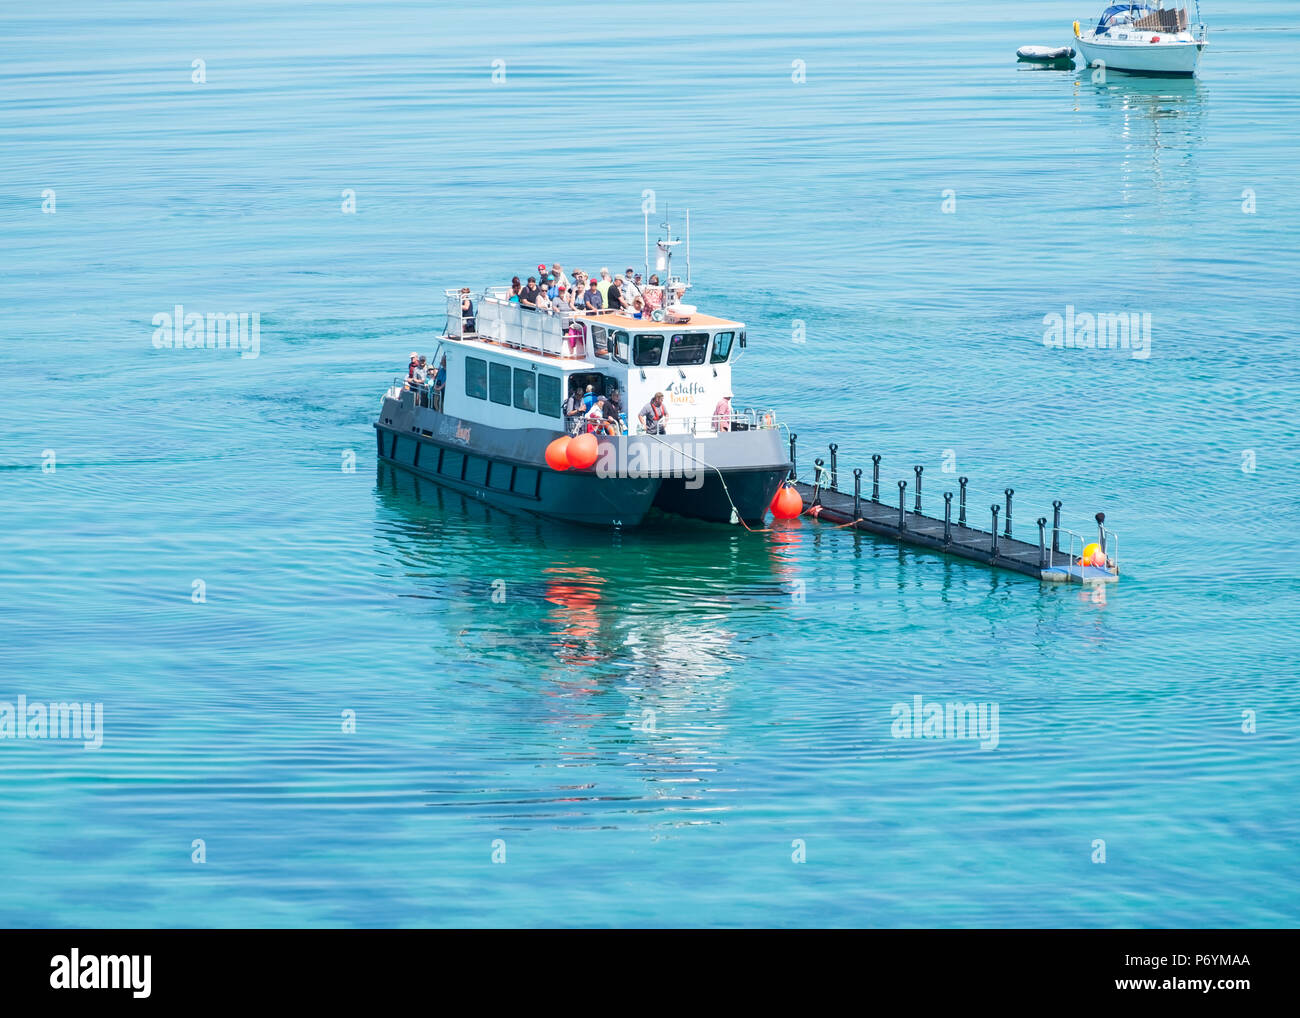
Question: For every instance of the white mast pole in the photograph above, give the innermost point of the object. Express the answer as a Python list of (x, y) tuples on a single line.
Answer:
[(688, 248)]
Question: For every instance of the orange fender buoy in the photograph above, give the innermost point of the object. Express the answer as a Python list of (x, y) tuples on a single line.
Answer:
[(786, 503), (582, 452), (557, 457)]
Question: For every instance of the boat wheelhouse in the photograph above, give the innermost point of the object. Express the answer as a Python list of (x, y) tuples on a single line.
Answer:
[(1144, 39), (510, 371)]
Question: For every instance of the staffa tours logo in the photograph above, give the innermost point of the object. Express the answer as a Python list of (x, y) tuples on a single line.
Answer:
[(179, 330), (1086, 331)]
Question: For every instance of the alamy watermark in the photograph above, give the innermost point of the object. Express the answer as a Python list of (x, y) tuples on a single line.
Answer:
[(182, 330), (84, 721), (934, 720), (650, 458), (1124, 330)]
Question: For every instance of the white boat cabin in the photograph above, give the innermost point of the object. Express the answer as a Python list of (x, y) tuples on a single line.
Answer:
[(511, 366)]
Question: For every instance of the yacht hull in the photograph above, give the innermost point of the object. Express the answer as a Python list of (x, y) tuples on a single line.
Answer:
[(1169, 59)]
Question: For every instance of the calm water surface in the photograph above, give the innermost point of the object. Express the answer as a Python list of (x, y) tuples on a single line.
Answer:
[(647, 722)]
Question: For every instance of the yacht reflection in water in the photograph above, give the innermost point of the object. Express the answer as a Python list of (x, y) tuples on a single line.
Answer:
[(1154, 126)]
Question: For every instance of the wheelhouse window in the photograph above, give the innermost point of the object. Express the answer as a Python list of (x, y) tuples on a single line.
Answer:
[(599, 341), (647, 349), (525, 390), (688, 348), (548, 395), (618, 346), (476, 377), (499, 383), (721, 346)]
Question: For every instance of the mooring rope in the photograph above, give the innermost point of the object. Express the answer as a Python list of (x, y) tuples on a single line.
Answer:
[(725, 490)]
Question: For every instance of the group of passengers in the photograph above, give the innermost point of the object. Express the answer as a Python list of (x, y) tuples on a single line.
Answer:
[(587, 411), (553, 292), (428, 386)]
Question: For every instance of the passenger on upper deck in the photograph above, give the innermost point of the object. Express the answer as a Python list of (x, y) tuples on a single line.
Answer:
[(528, 296), (592, 300), (561, 305), (542, 302), (614, 298), (413, 366), (466, 311), (557, 273), (631, 287), (638, 308), (603, 285), (654, 297), (515, 288)]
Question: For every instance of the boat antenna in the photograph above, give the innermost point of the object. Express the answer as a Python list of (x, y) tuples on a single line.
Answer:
[(688, 247), (645, 215)]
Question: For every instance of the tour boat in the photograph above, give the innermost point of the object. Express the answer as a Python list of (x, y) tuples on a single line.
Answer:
[(1142, 39), (492, 432)]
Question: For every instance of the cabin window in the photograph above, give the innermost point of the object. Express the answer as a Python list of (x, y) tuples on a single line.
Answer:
[(599, 342), (548, 396), (499, 383), (721, 347), (525, 390), (688, 348), (476, 377), (647, 349), (618, 346)]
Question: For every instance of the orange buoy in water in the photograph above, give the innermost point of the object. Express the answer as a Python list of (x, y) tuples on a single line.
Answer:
[(786, 503), (582, 452), (557, 453)]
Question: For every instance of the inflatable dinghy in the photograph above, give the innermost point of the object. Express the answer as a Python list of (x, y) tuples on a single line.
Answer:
[(1045, 54)]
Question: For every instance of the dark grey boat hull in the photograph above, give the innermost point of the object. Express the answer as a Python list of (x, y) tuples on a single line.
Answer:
[(507, 468)]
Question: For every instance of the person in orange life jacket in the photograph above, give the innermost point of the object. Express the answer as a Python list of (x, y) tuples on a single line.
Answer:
[(652, 415)]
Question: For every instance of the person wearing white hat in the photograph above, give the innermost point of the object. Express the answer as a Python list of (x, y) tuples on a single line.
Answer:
[(722, 413)]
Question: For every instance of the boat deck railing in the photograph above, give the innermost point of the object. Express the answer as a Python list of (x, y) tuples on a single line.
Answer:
[(496, 318)]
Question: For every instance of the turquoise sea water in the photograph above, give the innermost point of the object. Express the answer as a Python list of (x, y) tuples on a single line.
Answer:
[(649, 725)]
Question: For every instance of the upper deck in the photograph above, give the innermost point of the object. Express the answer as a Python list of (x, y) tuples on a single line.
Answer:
[(496, 319)]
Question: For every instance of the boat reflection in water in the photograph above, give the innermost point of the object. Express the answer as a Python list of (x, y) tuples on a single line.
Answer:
[(591, 647)]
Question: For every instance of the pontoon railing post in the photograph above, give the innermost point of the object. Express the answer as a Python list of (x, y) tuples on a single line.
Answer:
[(918, 470), (961, 507), (1009, 493), (995, 528), (793, 468), (947, 517), (817, 479), (875, 477), (1101, 531), (857, 493), (902, 505), (835, 474), (1042, 542), (1056, 526)]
